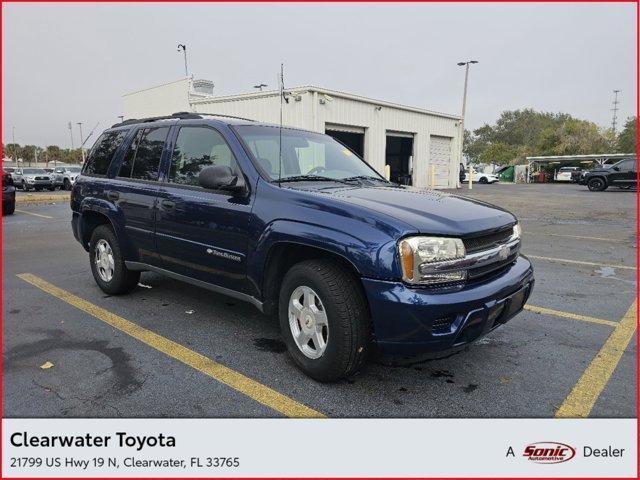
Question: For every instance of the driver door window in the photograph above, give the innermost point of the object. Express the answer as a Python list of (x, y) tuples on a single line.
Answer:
[(197, 148)]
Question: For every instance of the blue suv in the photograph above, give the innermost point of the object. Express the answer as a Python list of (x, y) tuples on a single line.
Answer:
[(298, 225)]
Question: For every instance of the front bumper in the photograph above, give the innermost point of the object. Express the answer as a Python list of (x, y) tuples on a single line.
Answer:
[(419, 320)]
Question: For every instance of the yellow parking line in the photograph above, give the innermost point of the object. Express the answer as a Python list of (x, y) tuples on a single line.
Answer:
[(585, 393), (245, 385), (34, 214), (578, 262), (573, 316)]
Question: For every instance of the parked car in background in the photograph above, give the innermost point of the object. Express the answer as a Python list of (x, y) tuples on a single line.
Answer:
[(481, 177), (16, 174), (65, 177), (35, 179), (622, 175), (8, 194), (299, 226), (564, 174)]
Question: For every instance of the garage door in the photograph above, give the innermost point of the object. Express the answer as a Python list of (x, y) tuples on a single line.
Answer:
[(440, 156)]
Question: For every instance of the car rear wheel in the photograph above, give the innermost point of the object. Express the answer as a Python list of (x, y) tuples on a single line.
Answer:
[(596, 184), (324, 320), (107, 263), (25, 187)]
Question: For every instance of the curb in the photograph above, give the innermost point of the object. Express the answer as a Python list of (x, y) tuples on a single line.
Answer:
[(20, 199)]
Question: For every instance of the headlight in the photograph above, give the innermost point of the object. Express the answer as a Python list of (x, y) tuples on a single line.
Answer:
[(31, 180), (418, 254), (517, 231)]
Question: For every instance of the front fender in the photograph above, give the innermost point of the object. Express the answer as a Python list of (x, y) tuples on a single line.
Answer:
[(370, 258)]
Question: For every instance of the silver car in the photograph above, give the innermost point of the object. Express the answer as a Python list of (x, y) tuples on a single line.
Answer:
[(65, 177), (35, 179)]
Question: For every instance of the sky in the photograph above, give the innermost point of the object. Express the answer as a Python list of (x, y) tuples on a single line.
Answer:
[(73, 62)]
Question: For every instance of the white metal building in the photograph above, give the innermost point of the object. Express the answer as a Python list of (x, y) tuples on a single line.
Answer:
[(410, 140)]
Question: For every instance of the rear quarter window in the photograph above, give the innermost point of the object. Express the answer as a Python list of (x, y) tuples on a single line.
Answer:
[(102, 152)]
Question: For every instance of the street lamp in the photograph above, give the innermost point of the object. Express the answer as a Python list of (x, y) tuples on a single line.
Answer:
[(121, 117), (464, 100), (183, 48), (81, 142), (260, 86)]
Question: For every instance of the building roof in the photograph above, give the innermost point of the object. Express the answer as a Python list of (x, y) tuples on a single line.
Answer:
[(324, 91), (571, 158)]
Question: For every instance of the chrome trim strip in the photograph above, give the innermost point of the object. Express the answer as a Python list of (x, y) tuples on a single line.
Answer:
[(139, 266), (474, 260)]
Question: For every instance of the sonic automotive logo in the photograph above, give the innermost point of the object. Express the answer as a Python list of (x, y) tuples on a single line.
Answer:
[(549, 452)]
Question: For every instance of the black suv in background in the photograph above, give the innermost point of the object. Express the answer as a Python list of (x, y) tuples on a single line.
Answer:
[(622, 174)]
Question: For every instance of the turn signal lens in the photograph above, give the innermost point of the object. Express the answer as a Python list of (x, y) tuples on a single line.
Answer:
[(406, 259)]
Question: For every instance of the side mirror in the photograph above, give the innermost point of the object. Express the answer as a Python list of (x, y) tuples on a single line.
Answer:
[(617, 169), (220, 177)]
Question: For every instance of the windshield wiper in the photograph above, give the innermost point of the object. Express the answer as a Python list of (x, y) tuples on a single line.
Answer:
[(306, 178), (370, 177)]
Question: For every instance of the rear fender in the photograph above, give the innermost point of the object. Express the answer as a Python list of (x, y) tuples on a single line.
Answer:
[(116, 219)]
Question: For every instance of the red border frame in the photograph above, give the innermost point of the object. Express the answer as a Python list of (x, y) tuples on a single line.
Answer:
[(637, 2)]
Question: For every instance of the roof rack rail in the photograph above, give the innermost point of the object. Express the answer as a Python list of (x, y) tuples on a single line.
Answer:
[(178, 115)]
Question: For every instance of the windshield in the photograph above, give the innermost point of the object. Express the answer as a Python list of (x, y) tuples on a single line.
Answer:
[(31, 171), (303, 154), (73, 169)]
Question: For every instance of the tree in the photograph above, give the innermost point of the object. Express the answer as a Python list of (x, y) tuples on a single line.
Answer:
[(627, 138), (498, 153)]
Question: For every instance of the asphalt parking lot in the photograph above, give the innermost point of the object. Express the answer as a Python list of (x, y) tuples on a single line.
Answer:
[(172, 350)]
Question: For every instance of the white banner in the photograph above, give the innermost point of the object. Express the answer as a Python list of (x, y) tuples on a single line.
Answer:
[(319, 448)]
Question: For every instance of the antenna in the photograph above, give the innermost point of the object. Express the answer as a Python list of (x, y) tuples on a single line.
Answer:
[(614, 121), (281, 105)]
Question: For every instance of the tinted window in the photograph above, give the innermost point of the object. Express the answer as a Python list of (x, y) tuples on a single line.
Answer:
[(102, 152), (127, 163), (31, 171), (626, 165), (196, 148), (142, 159)]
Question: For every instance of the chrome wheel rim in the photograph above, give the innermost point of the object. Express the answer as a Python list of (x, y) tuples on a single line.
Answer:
[(103, 259), (308, 322)]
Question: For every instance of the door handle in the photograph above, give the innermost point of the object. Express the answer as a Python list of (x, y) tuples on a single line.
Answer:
[(167, 204), (112, 195)]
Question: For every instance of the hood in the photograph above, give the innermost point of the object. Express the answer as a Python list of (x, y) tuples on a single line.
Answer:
[(427, 211)]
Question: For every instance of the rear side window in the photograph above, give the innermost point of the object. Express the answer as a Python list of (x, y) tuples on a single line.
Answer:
[(102, 152), (197, 148), (142, 159)]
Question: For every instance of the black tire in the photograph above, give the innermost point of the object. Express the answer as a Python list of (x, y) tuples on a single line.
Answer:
[(9, 207), (349, 328), (597, 184), (123, 279), (52, 189), (483, 180), (66, 184), (25, 187)]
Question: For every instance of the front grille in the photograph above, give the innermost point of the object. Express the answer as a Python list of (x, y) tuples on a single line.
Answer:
[(42, 178), (485, 242), (479, 272)]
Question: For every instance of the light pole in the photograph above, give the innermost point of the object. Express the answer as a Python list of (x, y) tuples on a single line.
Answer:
[(81, 142), (13, 140), (260, 86), (183, 48), (464, 101), (121, 117), (71, 133)]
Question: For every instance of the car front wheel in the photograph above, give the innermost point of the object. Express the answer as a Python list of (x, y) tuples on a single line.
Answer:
[(107, 263), (324, 320), (483, 180), (8, 207), (596, 184)]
